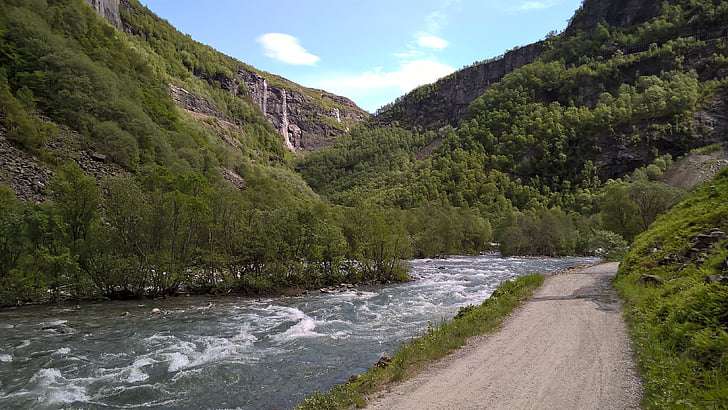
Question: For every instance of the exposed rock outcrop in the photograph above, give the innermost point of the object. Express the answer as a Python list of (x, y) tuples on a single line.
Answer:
[(109, 9), (304, 122), (192, 102), (25, 174), (619, 13), (696, 168)]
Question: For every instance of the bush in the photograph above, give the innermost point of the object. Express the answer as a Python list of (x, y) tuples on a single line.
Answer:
[(118, 144), (608, 245)]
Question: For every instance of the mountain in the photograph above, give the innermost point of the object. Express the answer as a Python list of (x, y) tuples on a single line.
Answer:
[(625, 84), (308, 119), (446, 101), (236, 109), (137, 162)]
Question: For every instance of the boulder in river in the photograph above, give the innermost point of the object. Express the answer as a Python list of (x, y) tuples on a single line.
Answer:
[(156, 311)]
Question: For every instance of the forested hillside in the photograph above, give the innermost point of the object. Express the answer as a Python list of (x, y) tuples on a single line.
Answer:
[(549, 141)]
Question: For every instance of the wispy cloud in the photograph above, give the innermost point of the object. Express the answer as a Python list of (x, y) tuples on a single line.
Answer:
[(437, 19), (531, 5), (431, 41), (416, 65), (409, 75), (286, 48)]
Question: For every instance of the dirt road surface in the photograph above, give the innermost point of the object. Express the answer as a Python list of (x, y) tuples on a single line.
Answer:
[(566, 348)]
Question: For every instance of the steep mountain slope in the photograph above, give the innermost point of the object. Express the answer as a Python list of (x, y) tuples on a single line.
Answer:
[(307, 119), (138, 164), (675, 282), (446, 101)]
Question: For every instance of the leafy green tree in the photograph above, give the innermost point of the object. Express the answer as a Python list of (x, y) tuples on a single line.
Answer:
[(77, 200), (378, 242), (12, 232), (619, 213), (651, 200)]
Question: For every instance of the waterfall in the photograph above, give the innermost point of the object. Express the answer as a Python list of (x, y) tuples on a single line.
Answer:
[(264, 98), (284, 121)]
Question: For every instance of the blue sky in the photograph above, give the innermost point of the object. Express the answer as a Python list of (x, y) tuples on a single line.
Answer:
[(371, 51)]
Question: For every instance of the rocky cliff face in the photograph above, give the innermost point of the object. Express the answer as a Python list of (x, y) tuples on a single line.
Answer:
[(619, 13), (446, 102), (304, 122), (109, 9)]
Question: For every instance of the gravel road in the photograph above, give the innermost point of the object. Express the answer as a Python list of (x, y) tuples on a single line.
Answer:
[(566, 348)]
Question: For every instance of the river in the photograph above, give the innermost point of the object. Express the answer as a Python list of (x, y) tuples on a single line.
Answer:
[(231, 352)]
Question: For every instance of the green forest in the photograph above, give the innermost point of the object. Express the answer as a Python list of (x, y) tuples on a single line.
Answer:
[(538, 154)]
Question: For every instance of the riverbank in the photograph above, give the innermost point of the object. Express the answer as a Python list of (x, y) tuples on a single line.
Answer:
[(215, 293), (565, 348)]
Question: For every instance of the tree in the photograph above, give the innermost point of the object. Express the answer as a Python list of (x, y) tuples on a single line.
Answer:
[(77, 200), (652, 199), (618, 210), (378, 242), (12, 231)]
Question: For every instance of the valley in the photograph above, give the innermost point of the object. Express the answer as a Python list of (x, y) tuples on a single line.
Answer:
[(141, 167)]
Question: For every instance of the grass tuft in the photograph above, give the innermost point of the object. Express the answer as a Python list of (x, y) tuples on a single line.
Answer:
[(436, 343)]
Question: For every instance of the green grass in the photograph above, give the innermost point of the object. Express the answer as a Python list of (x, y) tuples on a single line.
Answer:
[(680, 328), (708, 149), (435, 344)]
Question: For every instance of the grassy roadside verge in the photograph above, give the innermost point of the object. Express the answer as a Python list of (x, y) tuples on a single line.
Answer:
[(674, 284), (436, 343)]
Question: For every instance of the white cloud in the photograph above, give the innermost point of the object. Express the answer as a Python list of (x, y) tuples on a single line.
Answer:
[(429, 41), (286, 48), (409, 54), (535, 5), (438, 18), (409, 75)]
